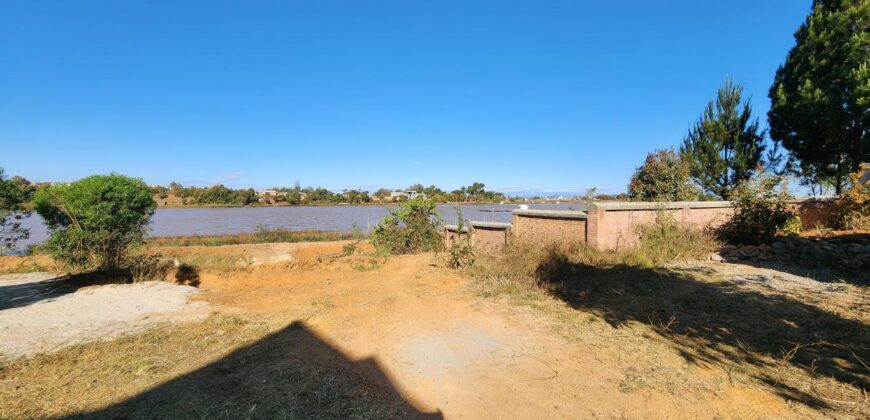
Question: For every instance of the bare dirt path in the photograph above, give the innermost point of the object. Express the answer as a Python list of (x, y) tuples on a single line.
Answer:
[(446, 351), (407, 325)]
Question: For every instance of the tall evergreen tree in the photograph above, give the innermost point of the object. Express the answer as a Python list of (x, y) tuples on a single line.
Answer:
[(820, 97), (725, 146)]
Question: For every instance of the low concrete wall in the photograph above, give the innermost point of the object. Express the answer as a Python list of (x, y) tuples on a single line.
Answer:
[(550, 225)]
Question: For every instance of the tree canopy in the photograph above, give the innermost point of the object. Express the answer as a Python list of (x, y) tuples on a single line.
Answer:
[(13, 193), (94, 221), (820, 97), (664, 176)]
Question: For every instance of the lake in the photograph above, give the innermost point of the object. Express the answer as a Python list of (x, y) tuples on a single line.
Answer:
[(215, 221)]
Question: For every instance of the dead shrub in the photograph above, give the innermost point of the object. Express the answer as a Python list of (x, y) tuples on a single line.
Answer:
[(666, 240), (146, 267), (852, 211)]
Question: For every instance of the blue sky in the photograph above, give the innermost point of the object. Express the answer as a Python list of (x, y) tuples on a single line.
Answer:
[(523, 96)]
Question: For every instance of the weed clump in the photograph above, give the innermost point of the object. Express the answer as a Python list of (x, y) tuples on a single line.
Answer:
[(460, 253)]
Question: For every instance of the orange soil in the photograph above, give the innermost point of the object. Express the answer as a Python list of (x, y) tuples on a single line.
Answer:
[(444, 349)]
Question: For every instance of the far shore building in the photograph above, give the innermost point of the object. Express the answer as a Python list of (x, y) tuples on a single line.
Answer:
[(410, 195), (271, 196)]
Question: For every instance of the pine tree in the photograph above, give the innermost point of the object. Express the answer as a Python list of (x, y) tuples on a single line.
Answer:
[(725, 146), (820, 97)]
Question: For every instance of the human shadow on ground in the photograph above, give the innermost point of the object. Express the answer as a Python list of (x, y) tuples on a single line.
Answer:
[(720, 322), (292, 373), (18, 295)]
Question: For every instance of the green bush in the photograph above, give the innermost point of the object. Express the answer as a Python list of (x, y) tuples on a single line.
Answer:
[(95, 221), (410, 228), (760, 212)]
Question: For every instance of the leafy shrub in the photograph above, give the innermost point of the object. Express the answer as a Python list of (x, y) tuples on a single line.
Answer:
[(666, 240), (95, 221), (852, 208), (410, 228), (793, 224), (760, 212)]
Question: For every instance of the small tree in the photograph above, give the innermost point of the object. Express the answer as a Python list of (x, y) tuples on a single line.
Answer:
[(664, 176), (760, 211), (410, 228), (94, 222), (13, 193), (725, 147)]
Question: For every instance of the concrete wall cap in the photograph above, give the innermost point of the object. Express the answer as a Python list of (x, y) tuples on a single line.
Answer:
[(491, 225), (556, 214), (454, 228), (827, 198), (649, 205)]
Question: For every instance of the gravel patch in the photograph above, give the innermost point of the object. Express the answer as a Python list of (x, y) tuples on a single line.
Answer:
[(51, 322)]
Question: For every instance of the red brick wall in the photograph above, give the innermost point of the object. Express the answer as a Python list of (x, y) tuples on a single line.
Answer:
[(814, 213), (617, 228), (489, 238), (549, 228), (612, 227), (451, 236)]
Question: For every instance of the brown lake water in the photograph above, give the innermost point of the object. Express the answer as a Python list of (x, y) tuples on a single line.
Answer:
[(214, 221)]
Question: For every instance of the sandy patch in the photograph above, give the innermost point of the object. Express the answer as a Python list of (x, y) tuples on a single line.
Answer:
[(94, 313)]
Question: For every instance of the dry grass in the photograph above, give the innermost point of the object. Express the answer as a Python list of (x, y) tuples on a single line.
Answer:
[(226, 367), (259, 237), (785, 343), (26, 264)]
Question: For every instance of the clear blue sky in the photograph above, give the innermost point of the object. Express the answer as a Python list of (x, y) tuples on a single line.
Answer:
[(533, 95)]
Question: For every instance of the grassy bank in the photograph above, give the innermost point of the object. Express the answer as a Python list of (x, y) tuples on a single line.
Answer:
[(258, 237)]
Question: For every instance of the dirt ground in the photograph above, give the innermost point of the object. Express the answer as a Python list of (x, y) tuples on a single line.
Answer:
[(410, 326)]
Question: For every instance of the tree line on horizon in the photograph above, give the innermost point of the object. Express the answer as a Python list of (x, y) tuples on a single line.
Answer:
[(819, 120), (298, 195)]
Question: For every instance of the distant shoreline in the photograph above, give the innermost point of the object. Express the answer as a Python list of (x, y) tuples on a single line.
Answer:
[(212, 206)]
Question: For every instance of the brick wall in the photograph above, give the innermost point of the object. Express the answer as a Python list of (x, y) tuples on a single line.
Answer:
[(452, 234), (814, 212), (614, 225), (490, 235), (550, 225)]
